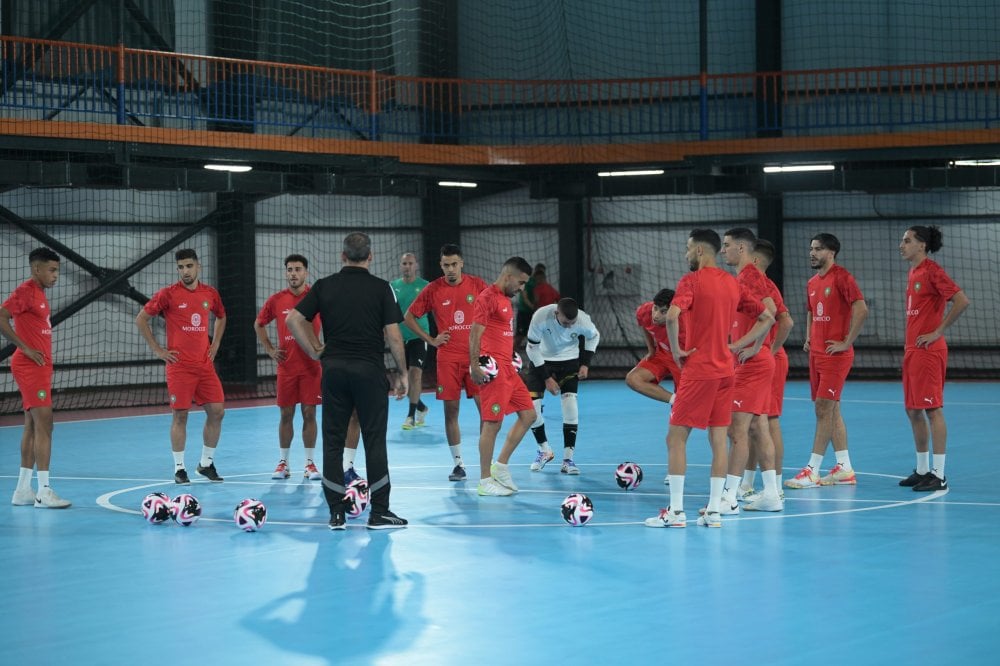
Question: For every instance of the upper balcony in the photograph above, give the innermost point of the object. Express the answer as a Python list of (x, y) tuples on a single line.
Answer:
[(78, 91)]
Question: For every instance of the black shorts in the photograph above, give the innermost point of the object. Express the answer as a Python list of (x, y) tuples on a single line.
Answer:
[(416, 353), (564, 372)]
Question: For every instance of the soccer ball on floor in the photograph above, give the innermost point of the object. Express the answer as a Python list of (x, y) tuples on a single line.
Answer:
[(250, 515), (356, 498), (628, 475), (156, 508), (489, 366), (577, 509), (186, 509)]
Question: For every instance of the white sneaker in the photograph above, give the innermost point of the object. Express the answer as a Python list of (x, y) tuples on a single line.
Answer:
[(667, 518), (490, 487), (543, 457), (725, 509), (666, 479), (501, 474), (47, 499), (421, 416), (746, 494), (765, 503), (408, 423), (710, 520), (25, 497), (569, 467)]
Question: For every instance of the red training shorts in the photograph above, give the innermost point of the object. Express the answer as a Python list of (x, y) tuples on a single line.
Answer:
[(703, 403), (302, 388), (778, 384), (752, 384), (504, 395), (33, 380), (828, 373), (923, 377), (197, 384), (452, 377), (661, 365)]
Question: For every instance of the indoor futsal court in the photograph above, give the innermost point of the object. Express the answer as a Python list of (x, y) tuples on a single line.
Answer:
[(220, 155), (880, 572)]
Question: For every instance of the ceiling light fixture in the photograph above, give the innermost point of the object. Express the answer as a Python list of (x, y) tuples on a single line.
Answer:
[(456, 183), (232, 168), (985, 162), (634, 172), (793, 168)]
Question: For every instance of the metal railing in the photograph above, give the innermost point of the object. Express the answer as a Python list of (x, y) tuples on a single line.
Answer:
[(45, 80)]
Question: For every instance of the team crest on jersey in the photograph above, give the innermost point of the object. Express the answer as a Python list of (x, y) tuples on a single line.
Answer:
[(196, 319), (469, 298), (173, 399), (916, 286), (495, 408), (440, 389), (41, 394), (826, 292), (459, 317), (204, 305)]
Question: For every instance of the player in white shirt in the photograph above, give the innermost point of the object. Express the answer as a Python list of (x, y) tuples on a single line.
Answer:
[(562, 340)]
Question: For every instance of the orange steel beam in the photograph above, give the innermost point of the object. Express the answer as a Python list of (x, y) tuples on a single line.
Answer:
[(481, 155)]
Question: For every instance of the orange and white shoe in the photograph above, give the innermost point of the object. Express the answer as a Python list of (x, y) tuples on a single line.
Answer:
[(281, 471), (311, 473), (806, 478), (839, 476)]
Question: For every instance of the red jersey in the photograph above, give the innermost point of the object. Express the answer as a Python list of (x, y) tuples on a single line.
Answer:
[(644, 317), (495, 311), (708, 298), (186, 313), (753, 290), (277, 307), (779, 309), (829, 299), (927, 291), (452, 309), (545, 294), (30, 309)]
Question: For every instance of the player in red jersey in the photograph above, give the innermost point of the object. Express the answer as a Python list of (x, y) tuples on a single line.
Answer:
[(708, 297), (492, 335), (763, 256), (31, 365), (189, 358), (450, 299), (754, 371), (658, 362), (925, 356), (653, 368), (299, 376), (836, 310)]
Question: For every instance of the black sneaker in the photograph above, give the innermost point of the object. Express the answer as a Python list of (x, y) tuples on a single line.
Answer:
[(210, 473), (914, 479), (181, 477), (338, 521), (931, 484), (386, 520)]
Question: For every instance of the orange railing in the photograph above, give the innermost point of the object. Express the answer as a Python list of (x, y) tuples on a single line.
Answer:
[(44, 80)]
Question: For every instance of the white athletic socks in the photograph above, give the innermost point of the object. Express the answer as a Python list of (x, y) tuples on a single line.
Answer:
[(178, 459), (24, 478), (43, 480), (677, 492), (815, 461), (937, 468), (456, 453), (207, 456), (284, 453), (715, 486), (843, 459), (923, 462)]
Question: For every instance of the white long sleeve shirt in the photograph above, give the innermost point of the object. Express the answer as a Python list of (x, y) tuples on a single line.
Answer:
[(548, 340)]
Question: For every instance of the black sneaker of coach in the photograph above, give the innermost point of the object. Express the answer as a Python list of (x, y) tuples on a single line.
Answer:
[(181, 477)]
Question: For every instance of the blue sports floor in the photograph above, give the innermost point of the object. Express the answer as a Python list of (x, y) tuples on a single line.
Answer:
[(868, 574)]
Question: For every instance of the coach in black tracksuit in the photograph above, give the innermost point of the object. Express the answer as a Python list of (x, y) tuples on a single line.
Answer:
[(360, 315)]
